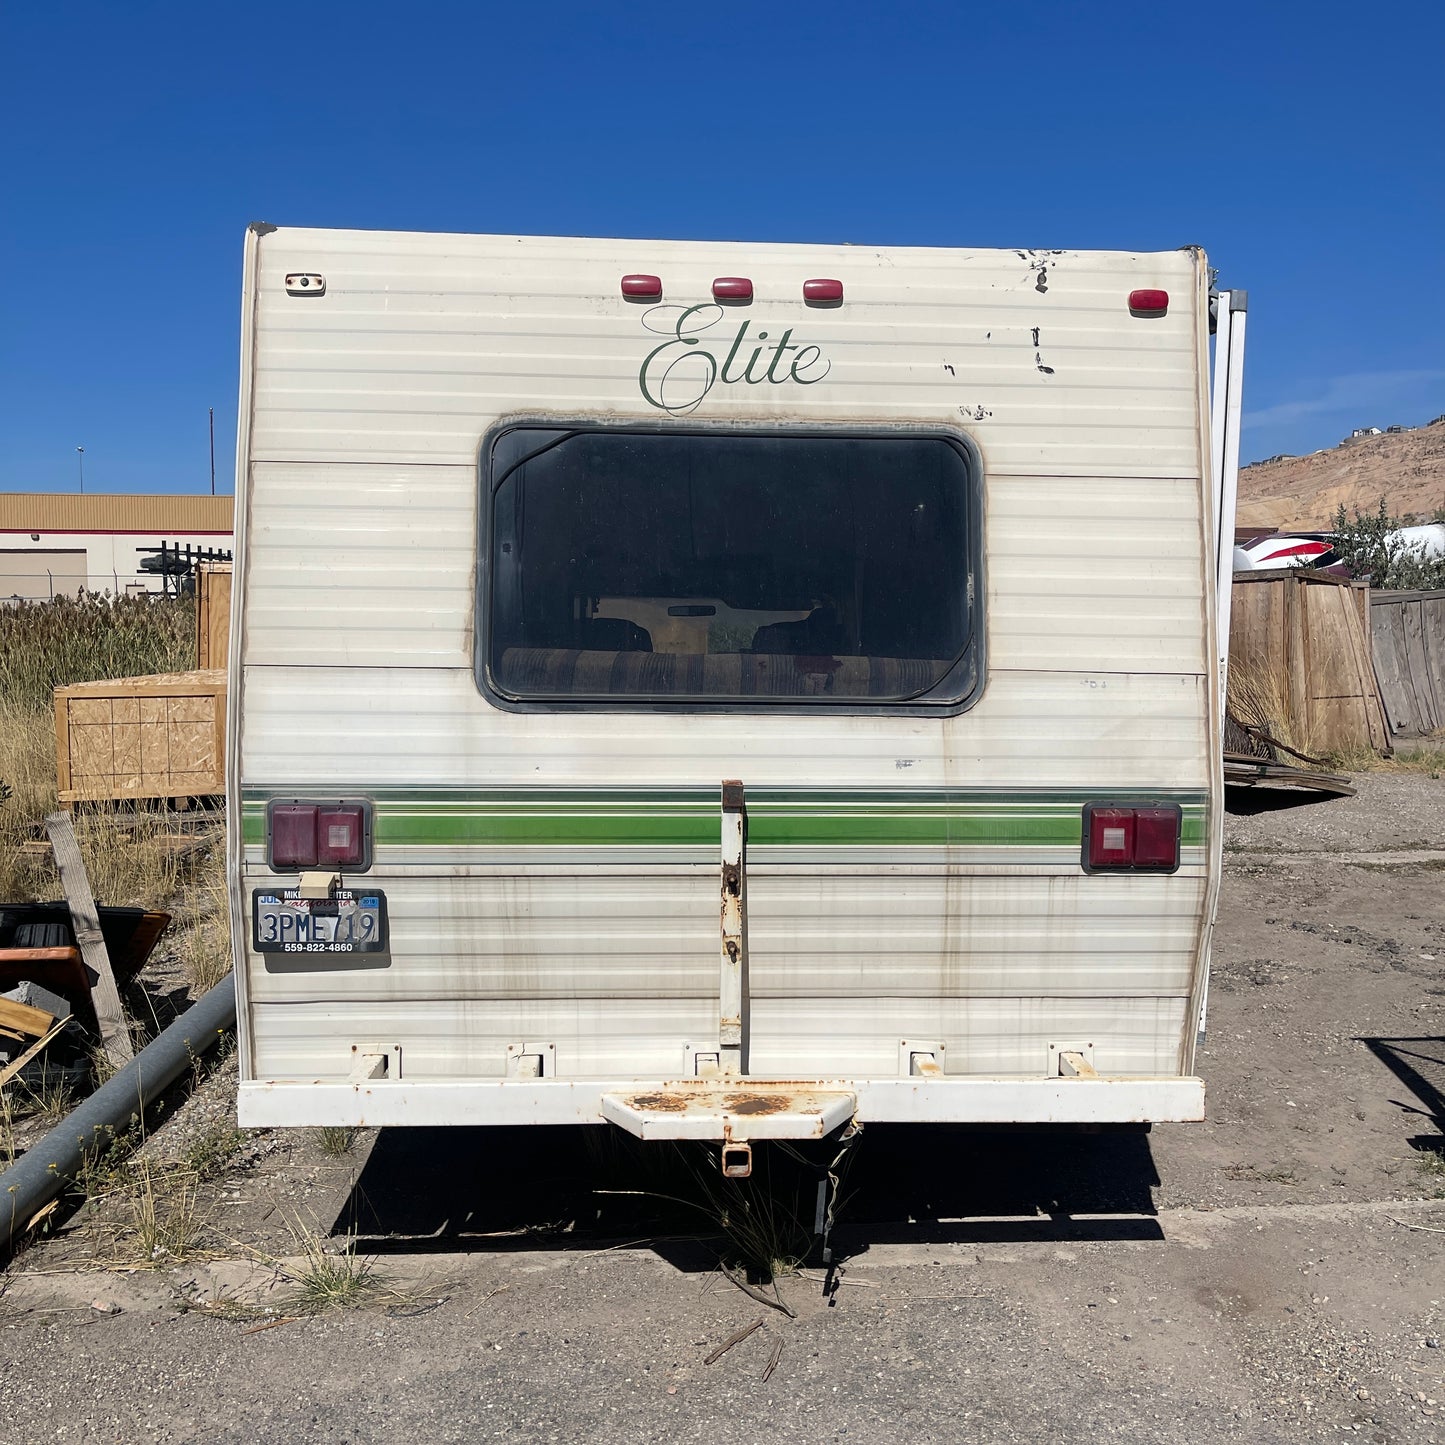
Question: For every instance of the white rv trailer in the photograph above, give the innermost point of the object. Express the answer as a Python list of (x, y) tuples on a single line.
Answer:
[(726, 690)]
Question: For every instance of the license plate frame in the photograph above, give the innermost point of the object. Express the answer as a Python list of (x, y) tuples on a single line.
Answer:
[(352, 923)]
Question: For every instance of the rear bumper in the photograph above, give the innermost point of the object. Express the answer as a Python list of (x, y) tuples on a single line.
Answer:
[(382, 1102)]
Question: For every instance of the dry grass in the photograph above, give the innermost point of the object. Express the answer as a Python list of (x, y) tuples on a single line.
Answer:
[(337, 1141), (204, 939), (1259, 696), (45, 645), (7, 1129), (325, 1279), (52, 644), (163, 1223), (48, 1099), (130, 857), (1427, 760)]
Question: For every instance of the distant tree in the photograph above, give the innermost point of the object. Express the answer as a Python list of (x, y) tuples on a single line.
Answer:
[(1368, 546)]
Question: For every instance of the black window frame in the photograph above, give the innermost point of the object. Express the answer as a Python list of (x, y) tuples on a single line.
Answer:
[(949, 705)]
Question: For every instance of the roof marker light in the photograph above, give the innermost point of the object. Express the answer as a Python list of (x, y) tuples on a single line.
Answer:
[(642, 288), (822, 290), (732, 288), (1148, 303)]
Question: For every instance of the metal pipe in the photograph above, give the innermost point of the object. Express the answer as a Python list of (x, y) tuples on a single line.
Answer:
[(45, 1169)]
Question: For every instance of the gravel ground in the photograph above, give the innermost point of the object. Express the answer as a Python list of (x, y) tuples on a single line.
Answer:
[(1275, 1274), (1391, 811)]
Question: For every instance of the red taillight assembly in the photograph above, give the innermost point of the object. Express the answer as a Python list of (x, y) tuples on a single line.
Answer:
[(318, 835), (1131, 838), (1148, 303)]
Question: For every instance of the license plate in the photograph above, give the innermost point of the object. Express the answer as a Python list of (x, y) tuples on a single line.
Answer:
[(352, 921)]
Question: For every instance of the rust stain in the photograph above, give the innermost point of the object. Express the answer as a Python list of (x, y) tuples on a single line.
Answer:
[(662, 1103), (757, 1103)]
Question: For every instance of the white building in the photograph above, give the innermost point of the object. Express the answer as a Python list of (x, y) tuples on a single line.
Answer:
[(54, 543)]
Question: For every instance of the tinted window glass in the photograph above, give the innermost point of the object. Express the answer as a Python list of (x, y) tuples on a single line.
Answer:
[(717, 567)]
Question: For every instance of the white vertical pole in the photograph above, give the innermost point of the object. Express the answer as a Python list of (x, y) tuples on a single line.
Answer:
[(1226, 411), (1226, 414)]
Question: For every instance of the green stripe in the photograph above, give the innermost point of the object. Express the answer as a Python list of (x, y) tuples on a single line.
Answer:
[(674, 819)]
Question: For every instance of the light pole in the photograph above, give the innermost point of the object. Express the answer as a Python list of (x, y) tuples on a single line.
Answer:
[(80, 457)]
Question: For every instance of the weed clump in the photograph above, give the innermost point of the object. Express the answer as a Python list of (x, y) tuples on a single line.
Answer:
[(337, 1141), (326, 1279), (45, 645)]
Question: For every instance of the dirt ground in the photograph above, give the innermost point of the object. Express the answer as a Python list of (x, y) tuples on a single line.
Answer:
[(1277, 1273)]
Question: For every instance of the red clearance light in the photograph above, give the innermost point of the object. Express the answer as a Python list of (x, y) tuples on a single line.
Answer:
[(822, 290), (642, 288), (302, 835), (1149, 303), (1121, 839), (732, 288)]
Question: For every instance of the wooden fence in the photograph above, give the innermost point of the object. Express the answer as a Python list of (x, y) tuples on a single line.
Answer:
[(1299, 661), (1408, 634)]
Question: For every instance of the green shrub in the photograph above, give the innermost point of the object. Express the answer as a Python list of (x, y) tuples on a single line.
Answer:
[(1365, 545)]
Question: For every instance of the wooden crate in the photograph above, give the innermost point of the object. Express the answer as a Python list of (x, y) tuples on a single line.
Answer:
[(213, 614), (162, 736)]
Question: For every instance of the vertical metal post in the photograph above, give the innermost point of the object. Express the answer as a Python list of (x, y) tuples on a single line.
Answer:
[(1226, 414), (732, 1058)]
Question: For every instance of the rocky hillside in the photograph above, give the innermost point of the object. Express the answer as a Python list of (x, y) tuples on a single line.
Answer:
[(1406, 468)]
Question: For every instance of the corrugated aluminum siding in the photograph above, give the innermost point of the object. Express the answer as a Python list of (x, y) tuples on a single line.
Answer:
[(370, 405)]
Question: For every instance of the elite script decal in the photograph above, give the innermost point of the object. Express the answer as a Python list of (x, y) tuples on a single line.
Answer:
[(679, 373)]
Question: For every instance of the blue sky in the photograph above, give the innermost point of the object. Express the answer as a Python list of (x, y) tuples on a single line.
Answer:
[(1299, 143)]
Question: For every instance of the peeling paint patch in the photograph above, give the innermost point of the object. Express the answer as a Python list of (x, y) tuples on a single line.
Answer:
[(974, 413), (1039, 265), (1039, 355), (949, 369)]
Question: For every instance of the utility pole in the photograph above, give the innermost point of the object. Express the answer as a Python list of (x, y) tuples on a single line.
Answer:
[(80, 458), (212, 412)]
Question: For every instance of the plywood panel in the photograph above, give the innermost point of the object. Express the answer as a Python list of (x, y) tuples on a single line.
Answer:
[(141, 737), (213, 614)]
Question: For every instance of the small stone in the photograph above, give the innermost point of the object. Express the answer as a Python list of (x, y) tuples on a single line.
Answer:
[(1432, 1343), (105, 1307)]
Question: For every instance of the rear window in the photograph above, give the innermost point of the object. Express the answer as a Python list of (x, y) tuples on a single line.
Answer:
[(718, 568)]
